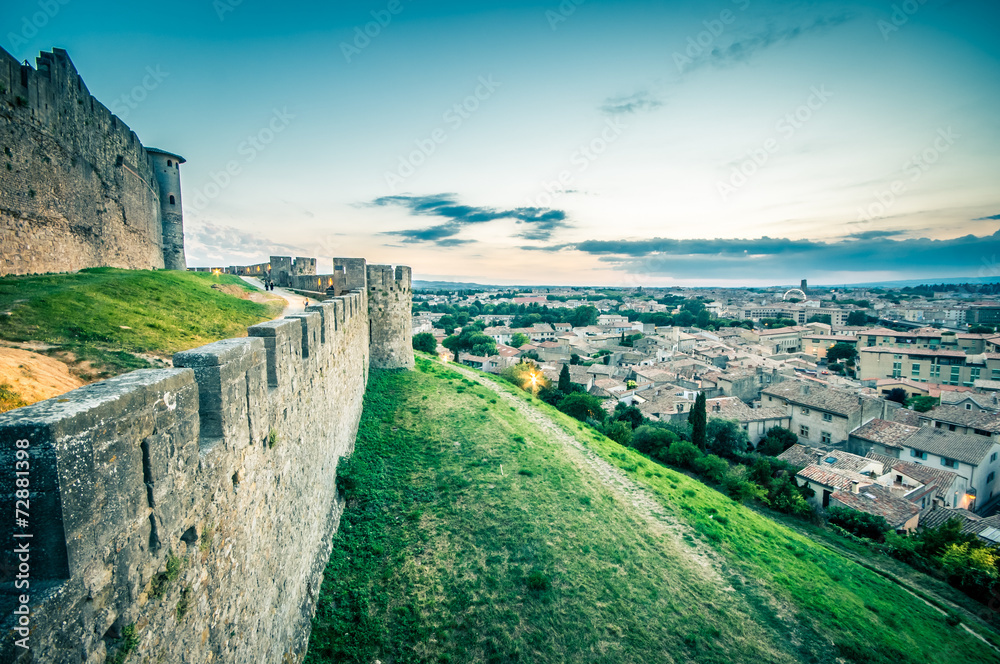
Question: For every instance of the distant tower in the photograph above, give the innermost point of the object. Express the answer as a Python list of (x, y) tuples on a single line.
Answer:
[(804, 286), (390, 299), (167, 167)]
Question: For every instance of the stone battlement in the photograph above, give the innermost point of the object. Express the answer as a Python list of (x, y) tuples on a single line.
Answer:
[(196, 503), (77, 187)]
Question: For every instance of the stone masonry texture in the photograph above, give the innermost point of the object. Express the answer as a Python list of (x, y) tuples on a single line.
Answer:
[(77, 188), (222, 469)]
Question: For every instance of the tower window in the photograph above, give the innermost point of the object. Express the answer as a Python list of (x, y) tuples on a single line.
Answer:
[(169, 162), (172, 199)]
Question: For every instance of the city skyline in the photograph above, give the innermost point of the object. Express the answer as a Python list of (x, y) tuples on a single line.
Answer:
[(731, 143)]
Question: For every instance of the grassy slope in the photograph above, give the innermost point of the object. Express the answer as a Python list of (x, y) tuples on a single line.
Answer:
[(865, 617), (167, 311), (105, 314), (469, 536)]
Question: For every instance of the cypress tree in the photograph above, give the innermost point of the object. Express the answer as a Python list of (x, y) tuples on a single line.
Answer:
[(564, 384), (698, 417)]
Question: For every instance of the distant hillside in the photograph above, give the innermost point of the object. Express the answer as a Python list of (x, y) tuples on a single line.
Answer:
[(918, 282), (484, 526)]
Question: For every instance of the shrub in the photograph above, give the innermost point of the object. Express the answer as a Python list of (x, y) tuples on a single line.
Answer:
[(776, 441), (713, 467), (785, 496), (740, 488), (425, 342), (653, 440), (630, 414), (682, 453), (760, 471), (726, 437), (870, 526), (618, 431), (581, 406), (970, 566)]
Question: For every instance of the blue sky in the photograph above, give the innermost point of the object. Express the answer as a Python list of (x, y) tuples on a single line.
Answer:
[(738, 142)]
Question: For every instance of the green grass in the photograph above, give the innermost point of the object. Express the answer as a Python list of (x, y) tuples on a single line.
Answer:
[(833, 600), (470, 536), (9, 399), (105, 315)]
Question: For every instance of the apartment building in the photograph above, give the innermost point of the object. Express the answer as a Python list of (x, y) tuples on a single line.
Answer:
[(923, 365), (823, 415)]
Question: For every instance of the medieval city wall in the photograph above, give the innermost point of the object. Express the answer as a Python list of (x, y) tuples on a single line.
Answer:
[(195, 505), (77, 188)]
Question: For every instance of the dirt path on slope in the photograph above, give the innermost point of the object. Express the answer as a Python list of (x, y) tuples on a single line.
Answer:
[(661, 523), (645, 505)]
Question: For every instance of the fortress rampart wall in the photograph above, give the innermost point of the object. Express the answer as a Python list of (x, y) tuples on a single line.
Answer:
[(77, 188), (197, 504)]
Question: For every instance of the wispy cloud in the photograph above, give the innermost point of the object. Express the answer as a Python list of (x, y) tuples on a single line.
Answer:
[(742, 49), (765, 257), (739, 49), (539, 223), (212, 244), (875, 235), (642, 100)]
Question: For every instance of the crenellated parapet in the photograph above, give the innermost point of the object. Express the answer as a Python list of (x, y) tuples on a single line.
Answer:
[(183, 500), (77, 187), (390, 300)]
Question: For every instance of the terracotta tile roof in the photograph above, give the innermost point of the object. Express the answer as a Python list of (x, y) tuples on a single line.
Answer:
[(906, 416), (878, 500), (986, 528), (983, 420), (885, 432), (939, 478), (816, 396), (832, 477), (800, 456), (967, 448)]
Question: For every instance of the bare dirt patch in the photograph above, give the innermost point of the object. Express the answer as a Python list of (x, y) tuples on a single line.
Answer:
[(35, 377)]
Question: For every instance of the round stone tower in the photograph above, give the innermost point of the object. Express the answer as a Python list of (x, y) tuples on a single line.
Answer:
[(390, 298), (167, 167)]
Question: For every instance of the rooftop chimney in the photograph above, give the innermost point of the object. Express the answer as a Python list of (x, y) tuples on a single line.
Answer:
[(855, 486)]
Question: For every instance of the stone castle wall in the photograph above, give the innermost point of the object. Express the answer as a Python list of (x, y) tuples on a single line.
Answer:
[(390, 298), (77, 188), (196, 503)]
